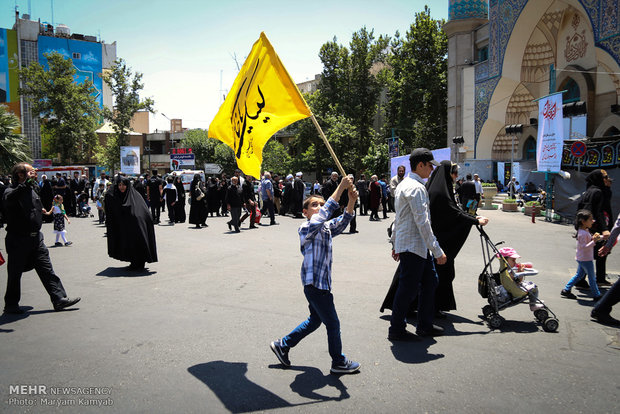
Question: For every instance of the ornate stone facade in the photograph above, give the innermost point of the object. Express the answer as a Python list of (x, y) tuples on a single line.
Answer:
[(532, 47)]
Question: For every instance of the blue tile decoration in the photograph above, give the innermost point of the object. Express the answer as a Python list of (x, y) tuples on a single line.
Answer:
[(468, 9), (604, 17)]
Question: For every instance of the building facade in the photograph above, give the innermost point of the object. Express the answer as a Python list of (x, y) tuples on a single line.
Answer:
[(505, 54), (28, 42)]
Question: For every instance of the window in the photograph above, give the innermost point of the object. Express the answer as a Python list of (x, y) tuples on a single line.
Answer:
[(76, 55), (529, 149), (483, 54), (572, 93)]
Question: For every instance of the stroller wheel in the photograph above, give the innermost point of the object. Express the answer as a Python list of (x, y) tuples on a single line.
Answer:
[(487, 310), (551, 325), (495, 321), (541, 315)]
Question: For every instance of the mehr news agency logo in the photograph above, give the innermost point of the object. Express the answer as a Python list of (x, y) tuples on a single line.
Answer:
[(45, 396)]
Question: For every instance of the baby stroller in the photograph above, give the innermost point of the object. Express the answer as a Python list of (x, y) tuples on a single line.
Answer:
[(490, 288)]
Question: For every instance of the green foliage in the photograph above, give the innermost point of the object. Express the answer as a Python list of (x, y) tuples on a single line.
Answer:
[(347, 100), (417, 84), (69, 111), (275, 158), (533, 203), (412, 70), (125, 87), (209, 150), (509, 201), (13, 148), (489, 185), (376, 160)]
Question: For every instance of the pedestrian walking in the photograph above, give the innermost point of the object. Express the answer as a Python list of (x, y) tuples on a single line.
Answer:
[(316, 246), (23, 214)]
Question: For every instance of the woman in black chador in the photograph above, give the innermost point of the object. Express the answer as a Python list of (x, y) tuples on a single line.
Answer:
[(179, 216), (130, 230), (198, 200), (451, 226)]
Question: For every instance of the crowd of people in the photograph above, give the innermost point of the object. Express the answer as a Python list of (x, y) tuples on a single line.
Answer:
[(432, 222)]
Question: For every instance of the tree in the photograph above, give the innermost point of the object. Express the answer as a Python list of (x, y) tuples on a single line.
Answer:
[(13, 148), (209, 150), (348, 95), (417, 84), (276, 158), (69, 110), (125, 87)]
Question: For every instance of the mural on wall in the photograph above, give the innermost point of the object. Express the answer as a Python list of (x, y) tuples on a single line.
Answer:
[(9, 80), (86, 58)]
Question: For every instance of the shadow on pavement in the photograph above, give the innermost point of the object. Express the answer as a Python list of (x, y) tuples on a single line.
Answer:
[(519, 326), (312, 379), (414, 352), (229, 383), (6, 318), (124, 272)]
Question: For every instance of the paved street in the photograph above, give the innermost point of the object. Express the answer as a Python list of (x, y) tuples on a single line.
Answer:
[(192, 335)]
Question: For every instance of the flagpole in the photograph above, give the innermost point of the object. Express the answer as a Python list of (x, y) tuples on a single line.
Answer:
[(329, 147)]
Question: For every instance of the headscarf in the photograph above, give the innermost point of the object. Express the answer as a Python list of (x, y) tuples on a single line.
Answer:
[(450, 224), (595, 178), (440, 184)]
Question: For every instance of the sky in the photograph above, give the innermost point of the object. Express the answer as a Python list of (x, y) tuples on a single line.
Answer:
[(188, 50)]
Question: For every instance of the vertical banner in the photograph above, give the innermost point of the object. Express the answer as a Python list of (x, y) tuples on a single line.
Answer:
[(500, 173), (393, 147), (130, 160), (516, 171), (550, 133)]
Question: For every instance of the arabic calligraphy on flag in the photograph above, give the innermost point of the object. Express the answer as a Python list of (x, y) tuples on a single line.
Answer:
[(550, 133), (262, 100)]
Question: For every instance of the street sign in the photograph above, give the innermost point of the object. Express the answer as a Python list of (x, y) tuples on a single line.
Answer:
[(578, 149)]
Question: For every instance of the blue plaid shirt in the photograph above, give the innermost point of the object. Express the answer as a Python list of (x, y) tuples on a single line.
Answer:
[(315, 236)]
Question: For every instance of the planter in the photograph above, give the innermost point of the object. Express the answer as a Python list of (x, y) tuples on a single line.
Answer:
[(527, 210), (489, 193), (509, 207)]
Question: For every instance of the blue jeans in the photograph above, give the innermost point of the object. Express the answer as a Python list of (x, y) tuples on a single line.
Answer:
[(584, 267), (417, 279), (322, 310)]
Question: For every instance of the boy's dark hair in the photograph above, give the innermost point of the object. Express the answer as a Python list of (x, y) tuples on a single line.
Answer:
[(468, 177), (582, 215), (307, 200)]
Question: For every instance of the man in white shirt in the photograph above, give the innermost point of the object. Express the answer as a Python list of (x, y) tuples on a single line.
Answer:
[(479, 190), (414, 245)]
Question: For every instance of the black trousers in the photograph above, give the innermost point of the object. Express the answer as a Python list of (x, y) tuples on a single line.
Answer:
[(235, 214), (268, 205), (384, 202), (363, 204), (600, 262), (155, 211), (171, 212), (25, 253), (610, 298)]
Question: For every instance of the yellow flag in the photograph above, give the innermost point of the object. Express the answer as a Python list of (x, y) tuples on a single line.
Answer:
[(263, 100)]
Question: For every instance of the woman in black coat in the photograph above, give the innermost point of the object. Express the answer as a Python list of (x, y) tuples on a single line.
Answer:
[(213, 197), (130, 230), (597, 199), (198, 200), (179, 216), (451, 226)]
